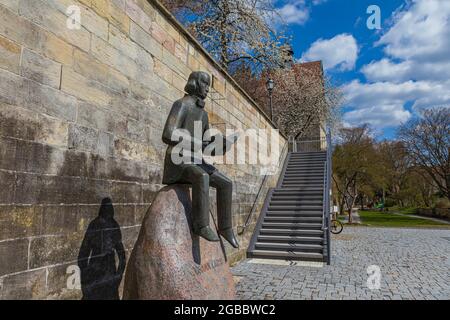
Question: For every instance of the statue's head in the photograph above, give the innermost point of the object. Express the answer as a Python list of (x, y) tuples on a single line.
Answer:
[(198, 84), (106, 209)]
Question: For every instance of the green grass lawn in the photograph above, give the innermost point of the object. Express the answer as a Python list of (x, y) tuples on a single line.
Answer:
[(407, 210), (385, 219)]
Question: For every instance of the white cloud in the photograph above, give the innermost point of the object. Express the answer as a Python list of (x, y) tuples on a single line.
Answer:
[(421, 32), (294, 12), (339, 52), (378, 117), (416, 67)]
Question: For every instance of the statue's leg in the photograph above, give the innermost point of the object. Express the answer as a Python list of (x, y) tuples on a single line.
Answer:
[(199, 179), (224, 187)]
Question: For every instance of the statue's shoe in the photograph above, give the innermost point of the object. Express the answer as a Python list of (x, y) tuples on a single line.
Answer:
[(207, 233), (228, 234)]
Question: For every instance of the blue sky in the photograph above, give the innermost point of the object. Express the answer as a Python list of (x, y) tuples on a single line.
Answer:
[(387, 75)]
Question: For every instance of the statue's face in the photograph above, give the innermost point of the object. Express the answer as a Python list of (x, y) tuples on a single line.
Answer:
[(204, 83)]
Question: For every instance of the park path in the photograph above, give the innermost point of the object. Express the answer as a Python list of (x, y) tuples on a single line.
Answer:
[(413, 264), (422, 217)]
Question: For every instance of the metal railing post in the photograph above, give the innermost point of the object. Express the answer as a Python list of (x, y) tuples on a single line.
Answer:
[(328, 201)]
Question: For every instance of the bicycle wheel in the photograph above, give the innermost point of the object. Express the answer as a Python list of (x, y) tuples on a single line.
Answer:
[(336, 226)]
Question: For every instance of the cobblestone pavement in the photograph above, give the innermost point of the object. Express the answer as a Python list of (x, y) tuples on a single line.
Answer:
[(414, 264)]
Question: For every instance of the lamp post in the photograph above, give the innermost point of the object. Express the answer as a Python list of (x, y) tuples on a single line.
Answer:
[(270, 84)]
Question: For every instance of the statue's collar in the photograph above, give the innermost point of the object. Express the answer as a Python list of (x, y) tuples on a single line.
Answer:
[(198, 101)]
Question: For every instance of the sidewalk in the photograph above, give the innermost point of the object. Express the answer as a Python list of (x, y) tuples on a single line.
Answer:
[(356, 219), (421, 217), (412, 264)]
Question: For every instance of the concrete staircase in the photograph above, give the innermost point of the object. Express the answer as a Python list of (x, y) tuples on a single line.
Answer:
[(290, 225)]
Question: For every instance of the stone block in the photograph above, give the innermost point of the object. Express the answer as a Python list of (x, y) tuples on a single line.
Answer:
[(103, 51), (50, 250), (43, 14), (7, 187), (14, 255), (126, 46), (24, 286), (48, 100), (9, 55), (11, 4), (131, 150), (117, 15), (54, 48), (40, 69), (138, 15), (105, 144), (123, 192), (163, 71), (90, 68), (145, 40), (7, 153), (26, 33), (85, 89), (58, 219), (19, 222), (83, 138), (89, 18), (61, 282)]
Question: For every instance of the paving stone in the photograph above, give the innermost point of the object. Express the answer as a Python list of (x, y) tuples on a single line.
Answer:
[(409, 260)]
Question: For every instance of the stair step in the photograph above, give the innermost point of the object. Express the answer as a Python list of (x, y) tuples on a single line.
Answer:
[(307, 256), (305, 184), (294, 213), (306, 179), (307, 156), (318, 164), (300, 191), (295, 202), (317, 196), (300, 185), (297, 232), (289, 246), (306, 174), (283, 225), (293, 219), (294, 207), (290, 239)]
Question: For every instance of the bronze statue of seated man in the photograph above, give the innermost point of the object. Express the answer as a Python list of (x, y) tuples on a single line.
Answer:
[(185, 115)]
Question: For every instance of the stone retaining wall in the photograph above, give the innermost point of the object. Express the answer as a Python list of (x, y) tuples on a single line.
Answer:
[(81, 117)]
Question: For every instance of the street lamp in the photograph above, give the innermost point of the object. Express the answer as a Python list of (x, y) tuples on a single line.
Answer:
[(270, 84)]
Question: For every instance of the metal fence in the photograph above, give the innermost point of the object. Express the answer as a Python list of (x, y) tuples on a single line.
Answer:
[(308, 145)]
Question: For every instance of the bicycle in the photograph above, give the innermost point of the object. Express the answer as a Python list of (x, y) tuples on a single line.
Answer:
[(336, 226)]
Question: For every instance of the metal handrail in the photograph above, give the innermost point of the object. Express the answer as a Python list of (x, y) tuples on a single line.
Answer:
[(324, 205), (328, 199)]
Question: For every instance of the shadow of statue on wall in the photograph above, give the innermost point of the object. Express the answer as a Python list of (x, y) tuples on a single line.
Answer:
[(100, 276)]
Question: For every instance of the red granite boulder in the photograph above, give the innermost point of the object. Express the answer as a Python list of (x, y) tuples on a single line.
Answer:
[(170, 262)]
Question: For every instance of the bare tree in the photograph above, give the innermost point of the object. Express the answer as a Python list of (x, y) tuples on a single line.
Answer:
[(353, 164), (427, 140), (304, 97), (236, 31)]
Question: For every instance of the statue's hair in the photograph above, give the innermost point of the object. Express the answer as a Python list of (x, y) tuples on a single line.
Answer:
[(192, 83)]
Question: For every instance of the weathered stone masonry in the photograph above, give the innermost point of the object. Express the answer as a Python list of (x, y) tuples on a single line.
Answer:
[(81, 116)]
